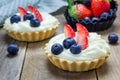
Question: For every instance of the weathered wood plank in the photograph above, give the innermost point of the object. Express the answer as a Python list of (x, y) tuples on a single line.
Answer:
[(38, 67), (10, 67), (111, 70), (88, 75)]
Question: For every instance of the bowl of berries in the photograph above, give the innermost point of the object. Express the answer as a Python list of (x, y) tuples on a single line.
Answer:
[(95, 15)]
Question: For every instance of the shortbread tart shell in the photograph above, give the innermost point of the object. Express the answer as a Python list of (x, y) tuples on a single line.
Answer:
[(76, 66), (32, 36)]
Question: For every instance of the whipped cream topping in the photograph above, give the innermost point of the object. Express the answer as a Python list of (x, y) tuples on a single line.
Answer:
[(97, 48), (49, 21)]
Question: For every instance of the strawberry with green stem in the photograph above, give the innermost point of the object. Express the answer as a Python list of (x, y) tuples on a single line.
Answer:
[(71, 9), (78, 11)]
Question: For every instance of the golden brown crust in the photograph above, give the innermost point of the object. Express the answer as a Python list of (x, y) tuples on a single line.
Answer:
[(76, 65), (32, 36)]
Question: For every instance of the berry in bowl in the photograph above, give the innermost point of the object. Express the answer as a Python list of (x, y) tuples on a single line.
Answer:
[(77, 51), (95, 15), (31, 25)]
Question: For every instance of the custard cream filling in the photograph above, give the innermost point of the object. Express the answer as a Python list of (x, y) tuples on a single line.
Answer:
[(49, 21), (97, 48)]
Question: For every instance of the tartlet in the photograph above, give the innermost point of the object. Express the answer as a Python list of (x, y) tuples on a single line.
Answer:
[(42, 27), (90, 57), (102, 22)]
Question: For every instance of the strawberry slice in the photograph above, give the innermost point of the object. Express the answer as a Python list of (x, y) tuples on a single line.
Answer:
[(36, 12), (82, 36), (69, 32), (81, 27), (22, 11)]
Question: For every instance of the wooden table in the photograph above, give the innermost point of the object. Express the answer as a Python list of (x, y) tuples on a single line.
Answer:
[(32, 64)]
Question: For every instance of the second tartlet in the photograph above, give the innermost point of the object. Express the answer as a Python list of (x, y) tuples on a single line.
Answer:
[(31, 25)]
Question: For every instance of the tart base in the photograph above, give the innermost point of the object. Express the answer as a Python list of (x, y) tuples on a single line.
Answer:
[(76, 66), (32, 36)]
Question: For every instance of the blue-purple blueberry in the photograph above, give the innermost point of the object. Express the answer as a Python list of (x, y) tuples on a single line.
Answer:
[(13, 49), (34, 22), (28, 16), (87, 2), (75, 48), (15, 19), (87, 20), (56, 48), (113, 38), (105, 15), (68, 42), (95, 19)]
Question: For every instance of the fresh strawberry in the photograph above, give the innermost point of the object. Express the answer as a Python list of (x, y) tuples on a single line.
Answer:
[(69, 32), (22, 11), (83, 11), (78, 11), (81, 27), (100, 6), (82, 36), (36, 12)]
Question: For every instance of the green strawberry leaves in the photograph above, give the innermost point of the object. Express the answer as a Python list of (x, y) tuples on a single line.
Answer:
[(110, 0), (70, 3), (80, 1), (72, 9), (72, 12)]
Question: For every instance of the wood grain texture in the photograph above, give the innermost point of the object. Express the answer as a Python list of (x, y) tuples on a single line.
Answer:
[(111, 70), (38, 67), (10, 66)]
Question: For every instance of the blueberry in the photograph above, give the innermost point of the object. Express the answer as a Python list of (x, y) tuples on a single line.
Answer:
[(75, 49), (56, 49), (111, 12), (34, 22), (87, 20), (115, 9), (68, 42), (87, 2), (113, 38), (28, 16), (15, 19), (105, 15), (95, 19), (13, 49)]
